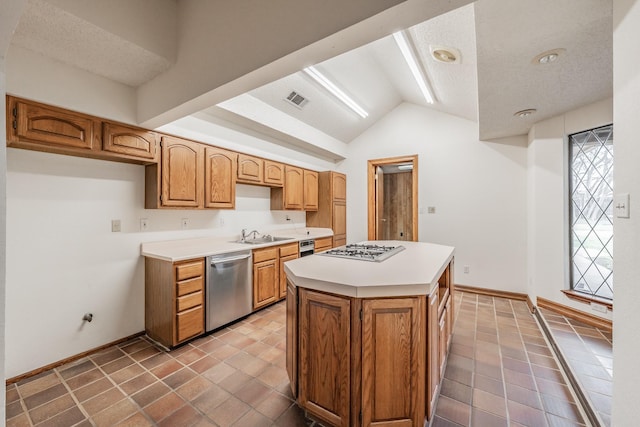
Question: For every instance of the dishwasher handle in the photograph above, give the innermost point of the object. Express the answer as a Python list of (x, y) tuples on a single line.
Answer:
[(221, 260)]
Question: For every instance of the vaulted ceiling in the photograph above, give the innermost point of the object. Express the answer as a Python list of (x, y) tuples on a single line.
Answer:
[(496, 74)]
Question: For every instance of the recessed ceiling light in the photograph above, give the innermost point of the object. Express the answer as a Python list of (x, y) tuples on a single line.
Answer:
[(448, 55), (548, 56), (525, 113)]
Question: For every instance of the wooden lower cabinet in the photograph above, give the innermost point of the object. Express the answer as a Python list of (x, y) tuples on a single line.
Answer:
[(358, 362), (174, 300), (393, 355), (323, 244), (325, 356), (265, 277), (433, 353), (286, 253)]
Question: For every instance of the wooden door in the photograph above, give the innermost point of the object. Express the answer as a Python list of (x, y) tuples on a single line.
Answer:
[(293, 188), (325, 356), (54, 126), (130, 141), (380, 219), (250, 169), (292, 338), (310, 190), (265, 283), (220, 178), (339, 186), (273, 173), (340, 219), (393, 351), (433, 353), (182, 173), (398, 224)]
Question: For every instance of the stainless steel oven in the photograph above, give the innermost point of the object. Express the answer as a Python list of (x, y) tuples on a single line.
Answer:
[(306, 247)]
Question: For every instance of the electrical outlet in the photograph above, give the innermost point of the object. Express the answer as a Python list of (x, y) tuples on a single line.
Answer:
[(184, 223), (115, 226), (288, 218), (466, 269), (144, 224), (221, 222), (431, 209)]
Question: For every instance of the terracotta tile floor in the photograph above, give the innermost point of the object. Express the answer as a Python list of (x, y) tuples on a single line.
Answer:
[(589, 353), (235, 377), (500, 372)]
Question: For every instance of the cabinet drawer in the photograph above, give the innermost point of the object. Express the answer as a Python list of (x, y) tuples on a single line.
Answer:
[(287, 250), (265, 254), (189, 323), (189, 286), (189, 270), (323, 244), (189, 301)]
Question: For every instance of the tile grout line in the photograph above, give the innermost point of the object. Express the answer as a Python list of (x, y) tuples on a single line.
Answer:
[(589, 415)]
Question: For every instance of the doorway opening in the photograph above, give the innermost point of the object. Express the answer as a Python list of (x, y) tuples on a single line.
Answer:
[(392, 198)]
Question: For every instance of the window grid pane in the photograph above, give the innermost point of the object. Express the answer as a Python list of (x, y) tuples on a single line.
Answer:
[(591, 192)]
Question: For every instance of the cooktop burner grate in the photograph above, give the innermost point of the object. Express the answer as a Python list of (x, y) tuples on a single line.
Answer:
[(364, 252)]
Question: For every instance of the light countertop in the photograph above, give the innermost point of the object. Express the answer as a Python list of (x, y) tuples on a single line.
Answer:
[(179, 250), (414, 271)]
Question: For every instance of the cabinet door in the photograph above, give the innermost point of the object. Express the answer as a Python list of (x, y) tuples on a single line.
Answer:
[(250, 169), (220, 178), (189, 323), (339, 186), (130, 141), (292, 339), (265, 283), (392, 355), (325, 356), (182, 174), (273, 173), (54, 126), (433, 353), (339, 218), (442, 338), (282, 289), (293, 188), (310, 190)]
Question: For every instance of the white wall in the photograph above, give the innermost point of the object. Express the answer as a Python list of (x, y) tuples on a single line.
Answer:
[(626, 115), (548, 208), (63, 260), (477, 187), (3, 228)]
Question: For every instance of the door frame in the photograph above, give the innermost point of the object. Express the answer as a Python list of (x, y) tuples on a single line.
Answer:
[(371, 191)]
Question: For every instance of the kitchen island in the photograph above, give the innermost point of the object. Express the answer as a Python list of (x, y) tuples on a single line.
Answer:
[(367, 341)]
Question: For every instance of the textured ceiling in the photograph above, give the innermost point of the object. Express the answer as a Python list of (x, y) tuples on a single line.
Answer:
[(54, 32), (495, 77)]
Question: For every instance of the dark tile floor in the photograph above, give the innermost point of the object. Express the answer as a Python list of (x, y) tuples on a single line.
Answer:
[(500, 370), (589, 353), (500, 373)]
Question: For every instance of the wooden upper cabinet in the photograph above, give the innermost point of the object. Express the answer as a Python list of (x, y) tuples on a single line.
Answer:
[(250, 169), (130, 141), (310, 190), (32, 122), (182, 173), (273, 173), (220, 178), (339, 186), (293, 187)]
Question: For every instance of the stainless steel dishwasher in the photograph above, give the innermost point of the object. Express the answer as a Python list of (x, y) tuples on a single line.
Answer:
[(229, 288)]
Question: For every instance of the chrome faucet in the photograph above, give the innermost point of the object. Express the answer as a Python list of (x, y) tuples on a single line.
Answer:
[(245, 234)]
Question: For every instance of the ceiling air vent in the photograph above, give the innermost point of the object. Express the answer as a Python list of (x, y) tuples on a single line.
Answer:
[(296, 99)]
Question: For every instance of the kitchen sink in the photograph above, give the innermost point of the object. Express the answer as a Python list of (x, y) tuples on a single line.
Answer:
[(264, 239)]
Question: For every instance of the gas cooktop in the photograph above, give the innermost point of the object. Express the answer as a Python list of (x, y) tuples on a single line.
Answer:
[(364, 252)]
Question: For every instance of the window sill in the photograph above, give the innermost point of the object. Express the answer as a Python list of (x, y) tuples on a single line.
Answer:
[(588, 299)]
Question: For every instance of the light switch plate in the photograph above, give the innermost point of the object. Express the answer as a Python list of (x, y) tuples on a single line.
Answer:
[(621, 205)]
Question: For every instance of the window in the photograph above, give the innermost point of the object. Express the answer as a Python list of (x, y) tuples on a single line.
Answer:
[(591, 211)]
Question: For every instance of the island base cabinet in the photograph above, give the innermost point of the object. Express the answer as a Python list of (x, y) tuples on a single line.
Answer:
[(292, 338), (325, 356), (393, 354)]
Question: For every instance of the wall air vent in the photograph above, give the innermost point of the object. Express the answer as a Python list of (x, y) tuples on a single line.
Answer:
[(296, 99)]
